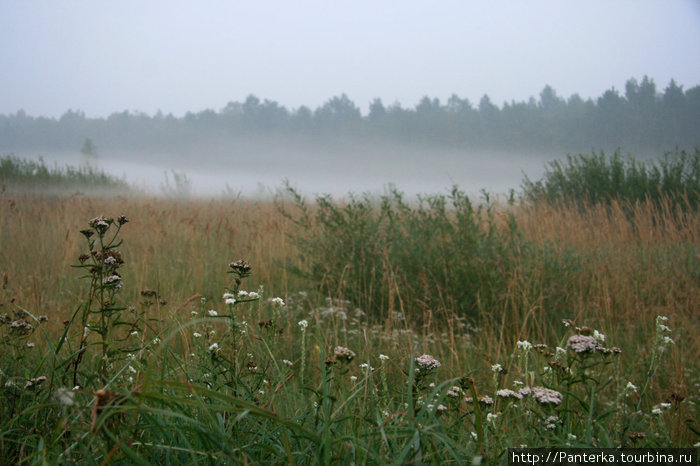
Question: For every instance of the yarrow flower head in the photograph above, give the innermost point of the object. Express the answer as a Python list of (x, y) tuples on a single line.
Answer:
[(547, 396), (600, 337), (343, 354), (303, 324), (214, 347), (524, 346), (212, 313), (279, 302), (427, 363), (383, 357), (582, 343), (508, 393), (496, 368), (240, 267)]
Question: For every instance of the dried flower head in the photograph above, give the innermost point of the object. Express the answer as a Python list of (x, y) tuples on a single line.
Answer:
[(343, 354), (240, 267)]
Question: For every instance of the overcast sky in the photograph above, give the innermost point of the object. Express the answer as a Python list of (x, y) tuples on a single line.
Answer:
[(103, 57)]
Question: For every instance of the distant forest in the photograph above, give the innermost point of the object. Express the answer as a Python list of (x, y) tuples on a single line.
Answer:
[(641, 120)]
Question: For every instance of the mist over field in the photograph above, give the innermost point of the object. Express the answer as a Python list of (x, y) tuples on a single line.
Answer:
[(369, 170)]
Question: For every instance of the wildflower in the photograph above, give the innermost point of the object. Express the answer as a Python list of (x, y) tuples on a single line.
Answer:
[(240, 268), (547, 396), (474, 435), (496, 368), (156, 340), (491, 417), (441, 408), (134, 333), (383, 357), (287, 362), (43, 319), (35, 382), (551, 422), (101, 224), (30, 344), (598, 336), (454, 392), (486, 400), (582, 343), (630, 387), (524, 345), (254, 295), (525, 391), (228, 295), (112, 280), (213, 347), (194, 313), (279, 302), (344, 354), (252, 366), (212, 313), (196, 334), (303, 324), (668, 341), (571, 436), (657, 410), (427, 363), (508, 393), (353, 378)]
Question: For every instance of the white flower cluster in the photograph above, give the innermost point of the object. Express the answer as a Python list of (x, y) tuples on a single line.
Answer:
[(524, 345), (662, 331), (427, 363), (582, 344), (508, 393), (547, 396), (229, 298)]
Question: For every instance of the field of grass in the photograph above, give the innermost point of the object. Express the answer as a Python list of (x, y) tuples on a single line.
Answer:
[(405, 331)]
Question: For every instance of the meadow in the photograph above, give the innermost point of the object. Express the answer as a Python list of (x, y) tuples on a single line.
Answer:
[(362, 330)]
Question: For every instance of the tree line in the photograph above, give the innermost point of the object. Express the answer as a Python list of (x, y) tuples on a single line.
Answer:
[(640, 119)]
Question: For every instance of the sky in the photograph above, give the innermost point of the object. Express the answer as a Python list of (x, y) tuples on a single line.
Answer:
[(102, 57)]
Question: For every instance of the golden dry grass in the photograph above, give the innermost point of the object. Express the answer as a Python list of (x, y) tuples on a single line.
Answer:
[(625, 273)]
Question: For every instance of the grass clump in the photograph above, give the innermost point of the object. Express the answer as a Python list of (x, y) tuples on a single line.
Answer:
[(388, 255), (598, 178), (22, 176)]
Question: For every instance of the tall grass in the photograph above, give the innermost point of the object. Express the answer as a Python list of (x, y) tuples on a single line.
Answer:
[(598, 178), (29, 176), (340, 369)]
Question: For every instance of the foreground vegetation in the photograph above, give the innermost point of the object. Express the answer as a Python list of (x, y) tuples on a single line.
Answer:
[(354, 331)]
